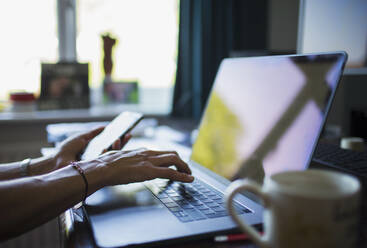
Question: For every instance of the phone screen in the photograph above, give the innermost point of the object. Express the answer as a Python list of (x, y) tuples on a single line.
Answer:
[(117, 128)]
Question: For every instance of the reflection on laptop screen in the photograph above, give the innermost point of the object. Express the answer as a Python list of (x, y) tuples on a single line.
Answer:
[(265, 114)]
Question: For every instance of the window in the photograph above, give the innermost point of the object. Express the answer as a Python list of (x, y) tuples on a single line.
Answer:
[(146, 51), (29, 37), (146, 48)]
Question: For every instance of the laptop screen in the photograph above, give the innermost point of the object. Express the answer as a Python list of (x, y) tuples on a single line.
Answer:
[(265, 114)]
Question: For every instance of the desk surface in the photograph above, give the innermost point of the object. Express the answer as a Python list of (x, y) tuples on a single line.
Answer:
[(75, 233)]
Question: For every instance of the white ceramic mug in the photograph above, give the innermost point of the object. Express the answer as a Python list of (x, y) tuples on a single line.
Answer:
[(312, 208)]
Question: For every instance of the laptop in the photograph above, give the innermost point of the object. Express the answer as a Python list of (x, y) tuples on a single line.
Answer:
[(264, 115)]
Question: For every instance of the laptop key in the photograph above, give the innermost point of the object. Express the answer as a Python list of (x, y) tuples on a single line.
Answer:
[(162, 195), (185, 218), (196, 203), (217, 214), (201, 197), (177, 198), (201, 188), (195, 214), (215, 197), (176, 185), (212, 204), (195, 193), (219, 201), (187, 206), (187, 196), (171, 205), (181, 202), (202, 207), (173, 194), (166, 200), (207, 201), (175, 209), (180, 213), (191, 200), (219, 209), (196, 183), (169, 191), (207, 211), (211, 194)]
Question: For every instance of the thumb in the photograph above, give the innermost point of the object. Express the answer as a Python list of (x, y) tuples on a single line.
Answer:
[(90, 135)]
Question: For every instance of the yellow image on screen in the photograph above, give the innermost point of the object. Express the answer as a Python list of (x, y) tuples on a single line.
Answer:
[(215, 146)]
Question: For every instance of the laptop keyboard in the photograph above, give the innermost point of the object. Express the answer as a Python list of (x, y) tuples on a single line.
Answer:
[(345, 159), (194, 201)]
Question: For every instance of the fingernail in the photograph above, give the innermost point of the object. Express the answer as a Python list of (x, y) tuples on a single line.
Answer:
[(190, 177)]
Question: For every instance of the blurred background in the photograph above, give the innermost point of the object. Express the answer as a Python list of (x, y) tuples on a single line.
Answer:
[(160, 59)]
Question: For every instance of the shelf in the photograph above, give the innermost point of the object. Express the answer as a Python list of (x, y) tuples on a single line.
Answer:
[(97, 113), (153, 102)]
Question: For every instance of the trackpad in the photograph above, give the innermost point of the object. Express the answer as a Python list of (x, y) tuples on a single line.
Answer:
[(127, 214), (127, 196)]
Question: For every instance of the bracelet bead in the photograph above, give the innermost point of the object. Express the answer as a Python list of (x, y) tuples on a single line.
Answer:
[(76, 166)]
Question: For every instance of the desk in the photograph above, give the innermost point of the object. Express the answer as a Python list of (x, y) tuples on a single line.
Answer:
[(75, 233)]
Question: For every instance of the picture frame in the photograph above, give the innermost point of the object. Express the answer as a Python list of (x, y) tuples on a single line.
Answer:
[(121, 92), (64, 86)]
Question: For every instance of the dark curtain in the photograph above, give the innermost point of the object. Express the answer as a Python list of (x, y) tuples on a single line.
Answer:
[(205, 38), (209, 31)]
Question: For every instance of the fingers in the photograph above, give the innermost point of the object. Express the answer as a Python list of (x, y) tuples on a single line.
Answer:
[(116, 145), (90, 135), (112, 153), (141, 164), (125, 139), (153, 152), (171, 174), (119, 143), (168, 159), (161, 158)]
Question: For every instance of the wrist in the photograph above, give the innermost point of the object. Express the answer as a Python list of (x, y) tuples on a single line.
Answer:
[(41, 165), (61, 160), (93, 171), (76, 166)]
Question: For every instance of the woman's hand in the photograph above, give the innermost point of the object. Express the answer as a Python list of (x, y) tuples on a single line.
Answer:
[(122, 167), (70, 149)]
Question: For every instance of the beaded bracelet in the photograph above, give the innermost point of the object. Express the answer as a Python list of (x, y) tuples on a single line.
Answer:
[(81, 172)]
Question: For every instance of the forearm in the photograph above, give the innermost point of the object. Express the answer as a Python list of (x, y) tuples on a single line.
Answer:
[(37, 166), (29, 202)]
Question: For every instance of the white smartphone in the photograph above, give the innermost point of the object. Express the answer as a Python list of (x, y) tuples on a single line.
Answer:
[(116, 129)]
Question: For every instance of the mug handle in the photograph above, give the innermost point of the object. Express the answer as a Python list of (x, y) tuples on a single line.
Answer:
[(236, 187)]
